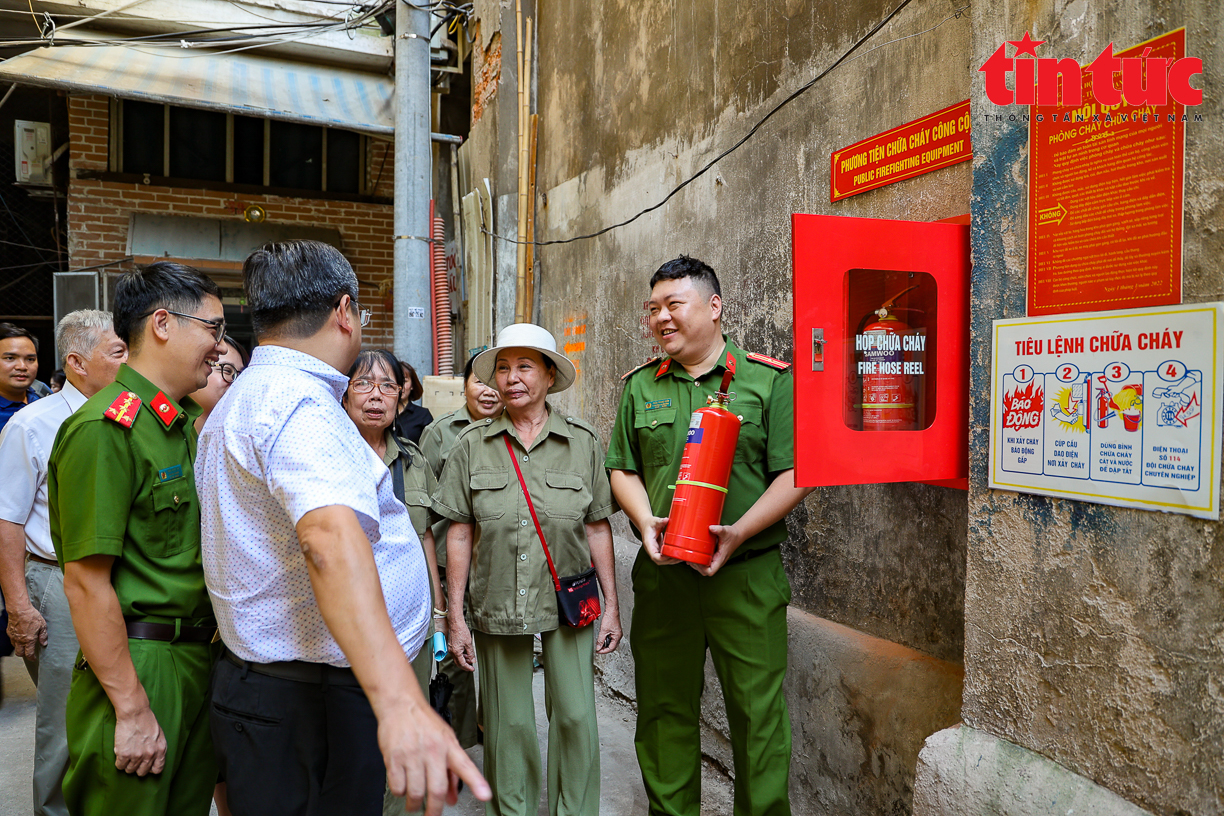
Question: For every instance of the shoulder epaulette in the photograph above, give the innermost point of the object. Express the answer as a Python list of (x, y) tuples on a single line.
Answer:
[(582, 424), (412, 449), (781, 365), (123, 409), (471, 428), (633, 371)]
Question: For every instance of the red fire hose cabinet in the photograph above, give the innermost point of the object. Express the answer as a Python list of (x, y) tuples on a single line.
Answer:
[(881, 350)]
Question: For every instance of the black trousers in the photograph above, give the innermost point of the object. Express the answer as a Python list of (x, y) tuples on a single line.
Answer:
[(293, 748)]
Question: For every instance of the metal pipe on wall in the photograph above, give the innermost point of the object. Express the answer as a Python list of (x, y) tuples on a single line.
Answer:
[(413, 158)]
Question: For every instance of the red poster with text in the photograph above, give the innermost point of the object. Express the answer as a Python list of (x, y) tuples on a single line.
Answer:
[(1105, 199)]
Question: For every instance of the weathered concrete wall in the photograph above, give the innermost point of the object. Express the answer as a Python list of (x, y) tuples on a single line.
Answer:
[(1094, 635), (859, 707), (634, 98), (965, 772)]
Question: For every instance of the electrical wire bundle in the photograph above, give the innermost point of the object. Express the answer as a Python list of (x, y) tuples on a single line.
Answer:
[(349, 17)]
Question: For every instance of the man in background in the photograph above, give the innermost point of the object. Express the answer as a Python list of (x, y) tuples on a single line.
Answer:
[(40, 625), (18, 370)]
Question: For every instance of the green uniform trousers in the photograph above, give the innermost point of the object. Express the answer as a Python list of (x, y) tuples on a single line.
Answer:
[(740, 616), (511, 745), (463, 698), (175, 677)]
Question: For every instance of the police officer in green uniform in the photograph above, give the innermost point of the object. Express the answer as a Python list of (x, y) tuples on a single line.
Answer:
[(479, 402), (512, 595), (126, 527), (735, 606)]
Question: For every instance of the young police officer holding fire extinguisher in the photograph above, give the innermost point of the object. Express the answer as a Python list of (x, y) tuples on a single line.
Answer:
[(736, 604)]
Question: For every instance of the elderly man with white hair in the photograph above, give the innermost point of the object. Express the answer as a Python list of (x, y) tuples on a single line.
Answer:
[(40, 625)]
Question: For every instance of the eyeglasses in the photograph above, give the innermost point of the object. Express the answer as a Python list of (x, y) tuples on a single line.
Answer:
[(217, 326), (362, 314), (366, 386), (228, 372)]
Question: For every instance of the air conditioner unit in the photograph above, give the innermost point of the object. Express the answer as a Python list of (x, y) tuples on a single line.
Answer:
[(33, 147)]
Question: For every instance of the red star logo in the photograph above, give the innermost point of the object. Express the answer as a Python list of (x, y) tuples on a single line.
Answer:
[(1026, 46)]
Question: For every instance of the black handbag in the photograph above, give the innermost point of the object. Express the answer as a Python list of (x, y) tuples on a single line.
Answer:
[(577, 595), (440, 690)]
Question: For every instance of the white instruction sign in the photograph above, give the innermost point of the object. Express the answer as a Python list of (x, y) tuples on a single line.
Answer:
[(1118, 408)]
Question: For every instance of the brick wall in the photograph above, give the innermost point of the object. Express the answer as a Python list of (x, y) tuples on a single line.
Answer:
[(98, 211)]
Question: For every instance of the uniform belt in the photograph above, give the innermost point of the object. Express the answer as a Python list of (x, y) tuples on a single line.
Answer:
[(38, 559), (747, 556), (169, 632), (299, 671)]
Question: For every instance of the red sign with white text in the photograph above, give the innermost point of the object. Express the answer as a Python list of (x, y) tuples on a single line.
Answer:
[(1105, 196), (938, 140)]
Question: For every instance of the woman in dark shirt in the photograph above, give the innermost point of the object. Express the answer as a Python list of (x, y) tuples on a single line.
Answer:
[(412, 418)]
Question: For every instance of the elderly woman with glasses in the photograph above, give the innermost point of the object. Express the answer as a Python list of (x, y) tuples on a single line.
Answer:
[(375, 383), (493, 541)]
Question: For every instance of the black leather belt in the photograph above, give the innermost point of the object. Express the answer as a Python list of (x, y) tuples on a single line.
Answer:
[(740, 557), (299, 671), (38, 559), (169, 632)]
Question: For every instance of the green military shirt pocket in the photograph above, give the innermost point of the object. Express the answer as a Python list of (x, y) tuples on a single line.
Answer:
[(751, 444), (172, 501), (568, 495), (656, 435), (490, 499)]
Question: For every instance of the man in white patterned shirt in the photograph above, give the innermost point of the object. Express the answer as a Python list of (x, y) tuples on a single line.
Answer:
[(40, 624), (315, 573)]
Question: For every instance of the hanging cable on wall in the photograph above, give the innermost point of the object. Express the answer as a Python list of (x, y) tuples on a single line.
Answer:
[(845, 57)]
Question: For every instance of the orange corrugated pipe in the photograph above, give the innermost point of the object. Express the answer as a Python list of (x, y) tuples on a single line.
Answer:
[(444, 354)]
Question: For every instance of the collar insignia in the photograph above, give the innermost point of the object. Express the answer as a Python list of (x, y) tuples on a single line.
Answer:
[(164, 409)]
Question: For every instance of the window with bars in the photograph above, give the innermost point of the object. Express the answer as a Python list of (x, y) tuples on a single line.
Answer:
[(171, 142)]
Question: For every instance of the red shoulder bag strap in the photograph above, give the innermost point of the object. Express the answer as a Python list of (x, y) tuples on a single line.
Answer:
[(531, 509)]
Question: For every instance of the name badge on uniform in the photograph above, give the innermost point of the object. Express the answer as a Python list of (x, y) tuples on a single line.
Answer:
[(657, 404), (170, 473)]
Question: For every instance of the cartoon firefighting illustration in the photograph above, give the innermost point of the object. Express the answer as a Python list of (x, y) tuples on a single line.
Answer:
[(1180, 401), (1129, 402), (1069, 405)]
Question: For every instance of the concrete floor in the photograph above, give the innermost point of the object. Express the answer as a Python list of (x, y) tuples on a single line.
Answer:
[(621, 792)]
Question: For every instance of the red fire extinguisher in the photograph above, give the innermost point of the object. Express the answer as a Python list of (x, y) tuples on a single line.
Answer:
[(888, 393), (701, 485)]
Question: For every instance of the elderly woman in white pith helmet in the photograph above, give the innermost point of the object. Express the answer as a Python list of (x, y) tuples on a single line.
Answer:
[(493, 541)]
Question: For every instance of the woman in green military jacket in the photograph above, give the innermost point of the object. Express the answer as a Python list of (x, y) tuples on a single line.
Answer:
[(493, 541), (375, 383)]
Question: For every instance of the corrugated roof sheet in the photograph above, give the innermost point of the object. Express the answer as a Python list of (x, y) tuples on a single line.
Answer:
[(233, 83)]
